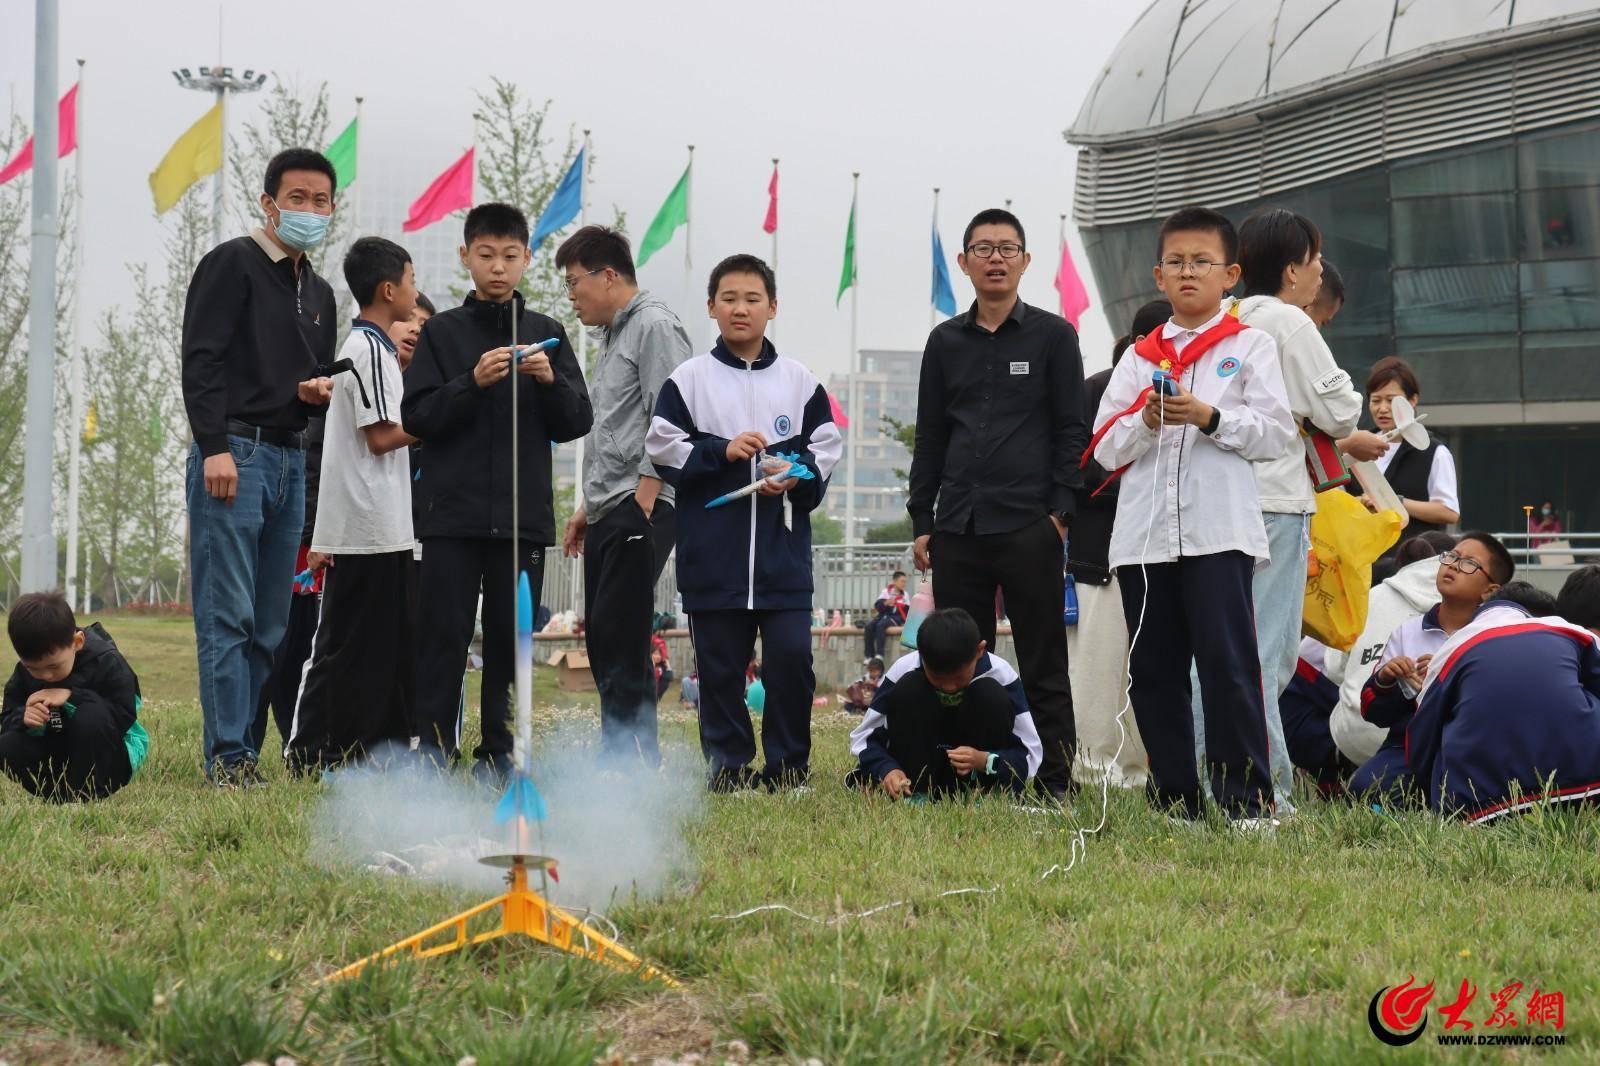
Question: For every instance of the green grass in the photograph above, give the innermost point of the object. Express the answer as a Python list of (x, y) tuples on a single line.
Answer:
[(175, 924)]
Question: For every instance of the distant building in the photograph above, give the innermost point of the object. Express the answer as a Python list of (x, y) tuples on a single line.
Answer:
[(888, 386), (1450, 153), (382, 207)]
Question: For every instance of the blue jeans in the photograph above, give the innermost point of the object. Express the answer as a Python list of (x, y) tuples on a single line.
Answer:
[(242, 557), (1279, 593)]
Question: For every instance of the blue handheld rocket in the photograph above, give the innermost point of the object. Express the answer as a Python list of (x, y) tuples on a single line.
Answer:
[(522, 798), (528, 349), (797, 470)]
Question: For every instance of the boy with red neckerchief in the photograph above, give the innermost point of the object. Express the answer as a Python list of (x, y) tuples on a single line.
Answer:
[(1189, 535)]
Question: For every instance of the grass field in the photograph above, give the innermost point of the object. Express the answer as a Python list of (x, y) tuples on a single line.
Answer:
[(175, 924)]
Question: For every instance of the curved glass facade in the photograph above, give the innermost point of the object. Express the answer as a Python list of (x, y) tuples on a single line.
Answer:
[(1481, 267)]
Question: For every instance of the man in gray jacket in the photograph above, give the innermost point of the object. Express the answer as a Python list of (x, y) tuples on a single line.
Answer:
[(624, 526)]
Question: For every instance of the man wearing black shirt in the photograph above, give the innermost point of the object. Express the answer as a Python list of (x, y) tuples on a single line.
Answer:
[(1000, 429), (257, 322)]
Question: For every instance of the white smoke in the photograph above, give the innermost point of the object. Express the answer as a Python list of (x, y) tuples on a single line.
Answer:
[(617, 835)]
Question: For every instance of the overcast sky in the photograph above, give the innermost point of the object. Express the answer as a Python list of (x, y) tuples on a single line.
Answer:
[(970, 98)]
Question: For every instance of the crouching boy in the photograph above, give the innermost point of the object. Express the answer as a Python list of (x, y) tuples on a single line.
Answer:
[(949, 717), (70, 725)]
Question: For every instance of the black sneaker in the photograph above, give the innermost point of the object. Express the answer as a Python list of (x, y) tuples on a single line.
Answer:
[(728, 780), (494, 772), (251, 775)]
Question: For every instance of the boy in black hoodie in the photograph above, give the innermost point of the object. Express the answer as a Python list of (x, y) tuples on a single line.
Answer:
[(458, 402), (69, 728)]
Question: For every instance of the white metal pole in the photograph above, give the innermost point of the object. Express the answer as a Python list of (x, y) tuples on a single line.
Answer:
[(688, 243), (853, 434), (583, 366), (78, 356), (772, 327), (38, 533), (219, 184), (933, 312), (355, 196)]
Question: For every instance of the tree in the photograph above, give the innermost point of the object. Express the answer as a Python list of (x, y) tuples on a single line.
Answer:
[(906, 434), (826, 529), (891, 532)]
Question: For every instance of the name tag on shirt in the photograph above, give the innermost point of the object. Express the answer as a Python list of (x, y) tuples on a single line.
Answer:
[(1018, 368)]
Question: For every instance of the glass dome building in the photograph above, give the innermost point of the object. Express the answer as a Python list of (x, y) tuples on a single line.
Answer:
[(1450, 152)]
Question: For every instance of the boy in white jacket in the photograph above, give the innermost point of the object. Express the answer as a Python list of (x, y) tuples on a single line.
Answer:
[(1188, 533)]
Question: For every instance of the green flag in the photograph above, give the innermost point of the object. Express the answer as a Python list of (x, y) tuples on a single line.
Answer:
[(673, 213), (342, 154), (847, 276)]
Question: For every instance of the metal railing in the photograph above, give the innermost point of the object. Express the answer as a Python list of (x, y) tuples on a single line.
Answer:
[(847, 579), (1552, 551)]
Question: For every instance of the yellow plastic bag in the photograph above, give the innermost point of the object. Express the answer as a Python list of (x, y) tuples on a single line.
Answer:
[(1346, 538)]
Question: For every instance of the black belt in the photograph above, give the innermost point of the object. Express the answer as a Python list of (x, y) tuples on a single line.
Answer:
[(284, 438)]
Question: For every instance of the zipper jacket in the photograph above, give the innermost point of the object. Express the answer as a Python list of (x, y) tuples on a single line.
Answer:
[(753, 553)]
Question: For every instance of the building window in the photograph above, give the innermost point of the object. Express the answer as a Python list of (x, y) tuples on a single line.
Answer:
[(1561, 366), (1465, 369), (1457, 299), (1561, 294), (1450, 230), (1570, 159), (1561, 223), (1478, 171)]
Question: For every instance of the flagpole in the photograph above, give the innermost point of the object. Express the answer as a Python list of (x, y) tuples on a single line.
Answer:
[(854, 429), (772, 327), (355, 197), (688, 238), (78, 355), (38, 531), (583, 363), (220, 182), (933, 312)]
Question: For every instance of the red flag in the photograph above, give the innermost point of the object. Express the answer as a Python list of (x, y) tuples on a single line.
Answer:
[(771, 224), (840, 419), (450, 191), (66, 137), (1074, 298)]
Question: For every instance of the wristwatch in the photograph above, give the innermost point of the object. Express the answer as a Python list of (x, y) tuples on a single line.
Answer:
[(1214, 422)]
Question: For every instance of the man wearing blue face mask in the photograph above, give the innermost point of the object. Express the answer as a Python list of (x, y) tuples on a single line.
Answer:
[(257, 322)]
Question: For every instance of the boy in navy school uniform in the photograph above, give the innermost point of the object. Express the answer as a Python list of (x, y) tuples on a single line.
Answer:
[(745, 567), (948, 718), (1509, 716), (1469, 576), (1189, 532)]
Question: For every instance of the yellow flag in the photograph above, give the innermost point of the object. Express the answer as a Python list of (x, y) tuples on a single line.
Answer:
[(193, 156), (91, 421)]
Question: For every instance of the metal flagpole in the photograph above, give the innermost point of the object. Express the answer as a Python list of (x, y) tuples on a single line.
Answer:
[(355, 197), (933, 312), (38, 533), (222, 171), (854, 430), (688, 241), (78, 355), (583, 365), (772, 327)]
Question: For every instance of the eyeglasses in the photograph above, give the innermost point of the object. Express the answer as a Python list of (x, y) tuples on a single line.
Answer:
[(1174, 267), (572, 283), (1461, 562), (984, 250)]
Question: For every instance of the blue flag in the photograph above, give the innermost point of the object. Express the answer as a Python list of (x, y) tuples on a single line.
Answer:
[(944, 297), (564, 205)]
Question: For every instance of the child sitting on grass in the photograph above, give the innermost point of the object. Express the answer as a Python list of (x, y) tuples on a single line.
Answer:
[(69, 728), (949, 717), (858, 697), (1470, 574)]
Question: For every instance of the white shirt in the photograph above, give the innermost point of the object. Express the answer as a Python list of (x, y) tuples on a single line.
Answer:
[(1441, 476), (1318, 390), (1188, 493), (364, 501)]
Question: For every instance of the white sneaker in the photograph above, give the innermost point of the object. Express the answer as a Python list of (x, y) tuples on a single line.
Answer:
[(1255, 825)]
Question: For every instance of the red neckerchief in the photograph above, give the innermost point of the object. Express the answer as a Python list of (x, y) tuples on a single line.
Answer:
[(1157, 348)]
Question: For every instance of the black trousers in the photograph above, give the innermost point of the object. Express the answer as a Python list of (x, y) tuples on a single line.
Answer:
[(1198, 608), (875, 633), (922, 730), (623, 556), (85, 759), (723, 644), (356, 693), (278, 695), (454, 570), (1026, 565)]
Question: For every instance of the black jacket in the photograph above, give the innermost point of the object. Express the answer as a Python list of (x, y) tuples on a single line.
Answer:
[(100, 673), (466, 481), (252, 331), (1089, 540)]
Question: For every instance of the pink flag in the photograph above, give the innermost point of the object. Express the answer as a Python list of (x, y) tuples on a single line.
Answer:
[(66, 137), (1074, 298), (771, 224), (450, 191), (840, 419)]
